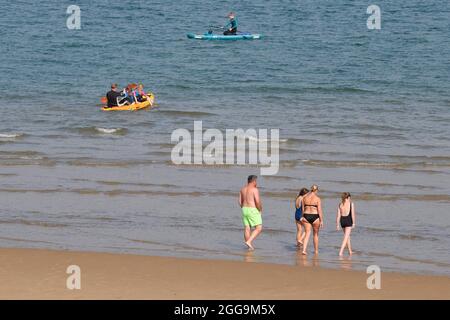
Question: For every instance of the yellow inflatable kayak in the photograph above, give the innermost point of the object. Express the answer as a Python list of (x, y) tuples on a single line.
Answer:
[(135, 106)]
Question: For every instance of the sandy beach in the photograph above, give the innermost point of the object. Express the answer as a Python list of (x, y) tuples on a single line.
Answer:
[(41, 274)]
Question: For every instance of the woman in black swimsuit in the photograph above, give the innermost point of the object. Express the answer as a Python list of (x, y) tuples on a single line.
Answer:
[(312, 218), (346, 219)]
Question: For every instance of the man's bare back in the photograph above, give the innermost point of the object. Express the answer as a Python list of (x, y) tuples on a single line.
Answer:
[(251, 206), (249, 197)]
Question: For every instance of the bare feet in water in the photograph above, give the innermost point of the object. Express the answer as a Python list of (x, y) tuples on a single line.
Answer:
[(249, 245)]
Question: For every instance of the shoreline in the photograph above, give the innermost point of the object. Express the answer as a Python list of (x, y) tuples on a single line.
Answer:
[(41, 274)]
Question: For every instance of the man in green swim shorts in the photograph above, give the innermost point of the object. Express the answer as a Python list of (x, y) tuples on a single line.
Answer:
[(251, 206)]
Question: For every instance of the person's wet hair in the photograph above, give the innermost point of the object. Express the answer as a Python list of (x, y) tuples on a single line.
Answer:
[(314, 188), (302, 192), (251, 178)]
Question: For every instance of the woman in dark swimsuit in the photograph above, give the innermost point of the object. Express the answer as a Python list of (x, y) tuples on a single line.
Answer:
[(346, 219), (312, 218), (298, 216)]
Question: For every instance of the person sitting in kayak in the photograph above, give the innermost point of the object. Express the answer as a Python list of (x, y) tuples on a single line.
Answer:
[(130, 93), (231, 27), (114, 98), (140, 94), (137, 92)]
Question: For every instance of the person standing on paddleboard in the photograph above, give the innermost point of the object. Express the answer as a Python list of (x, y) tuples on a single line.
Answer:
[(231, 27)]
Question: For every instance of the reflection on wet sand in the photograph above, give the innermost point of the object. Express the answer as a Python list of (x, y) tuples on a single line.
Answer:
[(249, 256), (346, 262), (307, 261)]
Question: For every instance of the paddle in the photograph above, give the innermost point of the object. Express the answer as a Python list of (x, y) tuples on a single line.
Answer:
[(223, 28), (216, 27)]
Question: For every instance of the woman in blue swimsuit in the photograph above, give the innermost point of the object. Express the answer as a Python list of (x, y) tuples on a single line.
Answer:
[(298, 216)]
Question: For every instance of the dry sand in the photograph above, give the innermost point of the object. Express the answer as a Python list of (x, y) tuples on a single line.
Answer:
[(41, 274)]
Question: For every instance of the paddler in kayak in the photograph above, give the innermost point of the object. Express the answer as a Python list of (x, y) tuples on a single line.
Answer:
[(132, 93), (140, 94), (137, 93), (114, 97), (231, 26)]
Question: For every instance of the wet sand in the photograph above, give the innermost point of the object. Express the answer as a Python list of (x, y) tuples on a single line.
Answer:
[(41, 274)]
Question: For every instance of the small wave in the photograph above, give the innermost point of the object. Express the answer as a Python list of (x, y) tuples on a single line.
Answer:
[(375, 126), (375, 230), (34, 223), (19, 154), (26, 157), (160, 145), (371, 164), (252, 138), (44, 191), (54, 136), (137, 184), (277, 231), (28, 162), (366, 196), (281, 178), (11, 135), (409, 259), (425, 159), (99, 130), (32, 158), (110, 130), (159, 153), (383, 184), (414, 237), (149, 242), (288, 164), (338, 89), (300, 141), (180, 247), (422, 146), (186, 113), (90, 162), (25, 240), (299, 90), (8, 174)]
